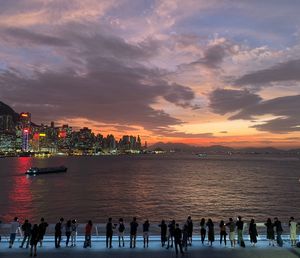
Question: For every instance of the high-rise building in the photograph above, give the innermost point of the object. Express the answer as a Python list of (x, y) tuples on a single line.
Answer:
[(25, 122), (6, 124)]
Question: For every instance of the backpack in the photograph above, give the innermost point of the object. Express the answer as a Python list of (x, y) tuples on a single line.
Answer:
[(121, 228)]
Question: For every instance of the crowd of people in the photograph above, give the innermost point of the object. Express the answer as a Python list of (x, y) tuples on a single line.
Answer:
[(171, 233)]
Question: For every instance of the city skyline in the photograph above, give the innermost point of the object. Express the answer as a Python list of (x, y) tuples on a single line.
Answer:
[(196, 72)]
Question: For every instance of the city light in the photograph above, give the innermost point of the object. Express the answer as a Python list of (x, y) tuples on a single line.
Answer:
[(42, 135)]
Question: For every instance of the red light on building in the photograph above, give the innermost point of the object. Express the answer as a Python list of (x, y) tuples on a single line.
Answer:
[(62, 134), (25, 131), (36, 136)]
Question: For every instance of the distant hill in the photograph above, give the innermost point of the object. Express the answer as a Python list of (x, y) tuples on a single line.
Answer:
[(7, 110), (181, 147)]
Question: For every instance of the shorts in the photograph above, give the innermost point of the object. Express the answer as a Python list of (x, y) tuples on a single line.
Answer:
[(146, 234), (231, 236)]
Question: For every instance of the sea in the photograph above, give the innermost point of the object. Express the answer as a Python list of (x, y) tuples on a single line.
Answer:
[(154, 187)]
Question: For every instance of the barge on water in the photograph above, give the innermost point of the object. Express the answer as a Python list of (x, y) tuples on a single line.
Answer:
[(50, 170)]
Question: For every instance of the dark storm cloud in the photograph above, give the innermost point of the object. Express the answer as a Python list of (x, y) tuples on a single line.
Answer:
[(287, 71), (23, 35), (224, 101), (249, 105)]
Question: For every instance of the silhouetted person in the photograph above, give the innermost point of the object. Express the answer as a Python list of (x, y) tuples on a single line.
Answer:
[(109, 233), (73, 232), (231, 226), (202, 230), (270, 231), (58, 232), (68, 231), (240, 226), (14, 227), (88, 234), (133, 231), (211, 231), (177, 239), (293, 231), (190, 228), (121, 230), (42, 230), (171, 227), (163, 233), (34, 239), (146, 226), (185, 236), (279, 230), (222, 232), (26, 228), (253, 232)]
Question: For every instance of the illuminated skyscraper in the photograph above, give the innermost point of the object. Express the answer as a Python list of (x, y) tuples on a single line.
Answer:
[(25, 121)]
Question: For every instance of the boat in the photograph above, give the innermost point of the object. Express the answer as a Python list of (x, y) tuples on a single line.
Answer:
[(39, 171), (201, 155)]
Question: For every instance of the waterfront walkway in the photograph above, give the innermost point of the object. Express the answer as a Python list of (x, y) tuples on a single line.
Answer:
[(262, 250)]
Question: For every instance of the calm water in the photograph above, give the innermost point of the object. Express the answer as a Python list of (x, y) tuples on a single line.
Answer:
[(153, 187)]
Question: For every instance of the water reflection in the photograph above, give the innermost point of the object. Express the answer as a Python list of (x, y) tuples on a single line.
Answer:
[(20, 196)]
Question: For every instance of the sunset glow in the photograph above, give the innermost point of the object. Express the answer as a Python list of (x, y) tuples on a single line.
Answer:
[(197, 72)]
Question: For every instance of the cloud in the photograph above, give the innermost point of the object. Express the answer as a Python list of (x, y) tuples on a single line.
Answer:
[(224, 101), (287, 106), (249, 106), (280, 125), (24, 35), (286, 71)]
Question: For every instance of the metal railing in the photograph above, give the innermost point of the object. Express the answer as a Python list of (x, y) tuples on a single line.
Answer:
[(98, 233)]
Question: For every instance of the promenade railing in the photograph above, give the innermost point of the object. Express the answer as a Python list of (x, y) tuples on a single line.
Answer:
[(99, 234)]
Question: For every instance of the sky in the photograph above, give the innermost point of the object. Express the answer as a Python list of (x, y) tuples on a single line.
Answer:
[(199, 72)]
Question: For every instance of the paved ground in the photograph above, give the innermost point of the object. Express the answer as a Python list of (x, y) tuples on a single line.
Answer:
[(262, 250)]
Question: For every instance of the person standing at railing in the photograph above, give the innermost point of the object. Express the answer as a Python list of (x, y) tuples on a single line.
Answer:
[(210, 231), (171, 227), (253, 232), (279, 230), (293, 231), (109, 233), (88, 234), (240, 226), (73, 232), (270, 231), (58, 232), (42, 230), (185, 236), (121, 230), (26, 228), (146, 226), (14, 228), (34, 239), (190, 228), (68, 229), (177, 239), (223, 233), (133, 231), (231, 226), (202, 230), (163, 232)]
